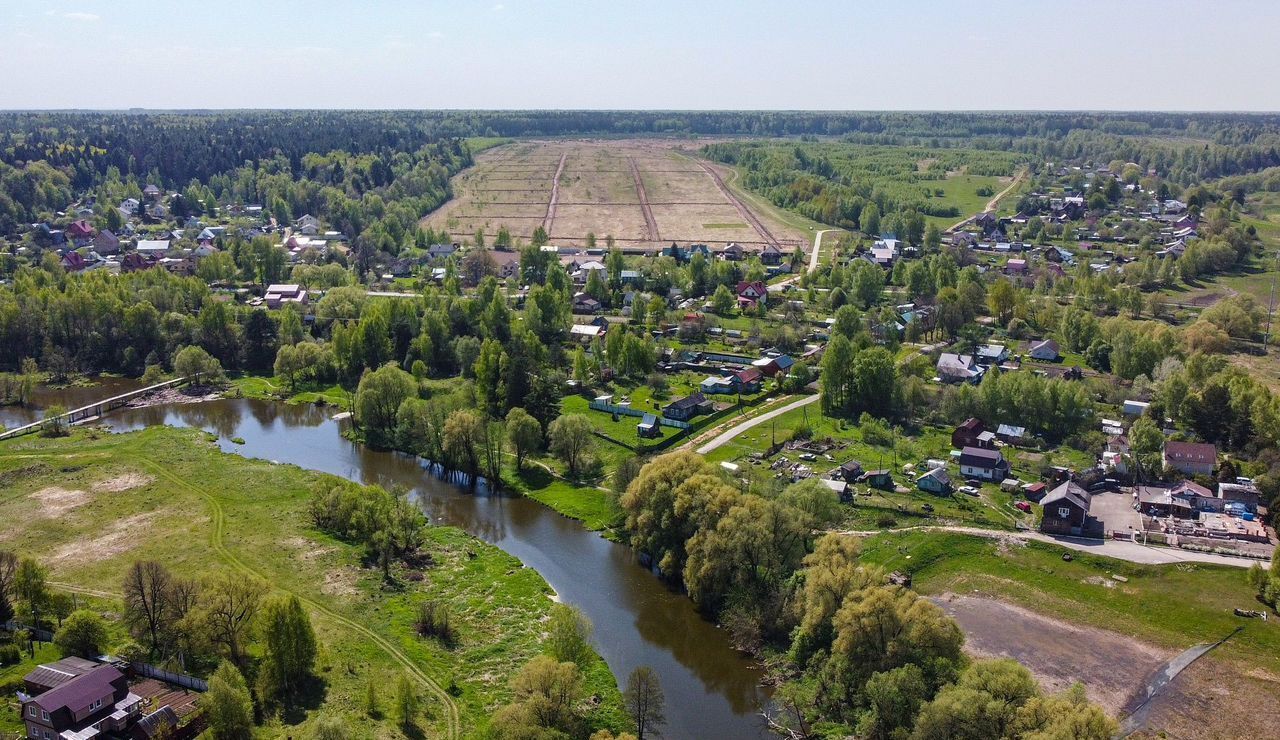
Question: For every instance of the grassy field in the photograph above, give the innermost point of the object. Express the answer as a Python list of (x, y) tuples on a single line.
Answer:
[(1173, 606), (90, 505), (271, 388)]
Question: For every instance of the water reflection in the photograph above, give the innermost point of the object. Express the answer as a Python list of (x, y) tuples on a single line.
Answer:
[(42, 397), (712, 692)]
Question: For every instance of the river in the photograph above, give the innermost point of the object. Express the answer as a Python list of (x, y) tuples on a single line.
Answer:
[(711, 690)]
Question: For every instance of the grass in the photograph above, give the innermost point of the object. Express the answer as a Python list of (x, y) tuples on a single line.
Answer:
[(1172, 606), (596, 509), (272, 388), (198, 511)]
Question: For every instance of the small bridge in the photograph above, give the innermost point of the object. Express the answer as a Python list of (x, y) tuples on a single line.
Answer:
[(91, 411)]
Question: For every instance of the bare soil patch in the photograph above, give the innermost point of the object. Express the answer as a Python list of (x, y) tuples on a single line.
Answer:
[(1112, 667), (123, 482), (55, 501), (118, 538), (341, 582), (1215, 700), (170, 396)]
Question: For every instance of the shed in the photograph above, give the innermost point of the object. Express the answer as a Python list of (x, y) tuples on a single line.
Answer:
[(648, 426)]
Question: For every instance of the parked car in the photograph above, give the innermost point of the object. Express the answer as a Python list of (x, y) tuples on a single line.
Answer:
[(970, 490), (1022, 506)]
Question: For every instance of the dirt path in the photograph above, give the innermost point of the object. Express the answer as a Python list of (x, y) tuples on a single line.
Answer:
[(1113, 667), (550, 218), (742, 209), (995, 201), (650, 223)]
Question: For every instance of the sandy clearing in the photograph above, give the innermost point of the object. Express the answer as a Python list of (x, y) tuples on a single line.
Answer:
[(341, 582), (122, 482), (55, 501), (1113, 667)]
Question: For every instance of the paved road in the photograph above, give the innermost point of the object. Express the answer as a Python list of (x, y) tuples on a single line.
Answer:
[(1119, 549), (724, 437)]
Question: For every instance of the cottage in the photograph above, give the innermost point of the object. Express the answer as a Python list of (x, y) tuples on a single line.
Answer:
[(992, 354), (585, 304), (684, 409), (838, 487), (953, 368), (966, 435), (732, 253), (714, 385), (1045, 351), (977, 462), (771, 255), (80, 230), (508, 263), (441, 251), (1191, 458), (935, 481), (747, 379), (97, 701), (1135, 408), (585, 333), (1066, 510), (1015, 267), (648, 427), (152, 247), (106, 243), (151, 192), (307, 225), (129, 207), (1034, 491), (751, 294)]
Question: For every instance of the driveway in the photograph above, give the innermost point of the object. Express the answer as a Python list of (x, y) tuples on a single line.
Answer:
[(1115, 511), (732, 432)]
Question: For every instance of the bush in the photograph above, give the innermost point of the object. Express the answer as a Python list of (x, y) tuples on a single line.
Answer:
[(434, 620), (10, 654)]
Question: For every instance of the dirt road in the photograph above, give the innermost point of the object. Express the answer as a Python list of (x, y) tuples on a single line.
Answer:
[(550, 218), (742, 209), (727, 436), (994, 202), (651, 223)]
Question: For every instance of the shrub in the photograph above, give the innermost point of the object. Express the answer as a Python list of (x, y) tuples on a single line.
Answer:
[(10, 654), (434, 620)]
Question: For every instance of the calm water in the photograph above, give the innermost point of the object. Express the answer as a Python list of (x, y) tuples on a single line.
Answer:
[(72, 398), (711, 691)]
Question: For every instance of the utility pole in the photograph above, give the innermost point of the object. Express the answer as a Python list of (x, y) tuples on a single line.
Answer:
[(1271, 309)]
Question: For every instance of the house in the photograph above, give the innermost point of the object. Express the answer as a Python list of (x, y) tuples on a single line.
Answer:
[(1015, 267), (850, 471), (771, 255), (95, 703), (838, 487), (129, 206), (881, 479), (135, 261), (1011, 434), (73, 262), (508, 263), (80, 229), (47, 676), (992, 354), (953, 368), (106, 243), (732, 252), (751, 294), (630, 277), (152, 247), (151, 192), (1066, 510), (1245, 494), (935, 481), (583, 303), (884, 252), (279, 294), (684, 409), (977, 462), (585, 333), (307, 225), (1045, 351), (716, 385), (966, 435), (648, 427), (441, 251), (1034, 491), (1191, 458), (747, 379)]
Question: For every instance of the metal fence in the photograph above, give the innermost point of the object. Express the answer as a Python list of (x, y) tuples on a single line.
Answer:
[(178, 679)]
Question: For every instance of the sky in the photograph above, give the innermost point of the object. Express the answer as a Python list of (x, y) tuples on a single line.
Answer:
[(653, 54)]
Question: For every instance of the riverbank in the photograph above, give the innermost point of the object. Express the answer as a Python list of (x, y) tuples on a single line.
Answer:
[(92, 504), (271, 388)]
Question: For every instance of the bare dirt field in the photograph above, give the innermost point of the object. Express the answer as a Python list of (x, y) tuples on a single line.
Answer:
[(645, 193), (1113, 667), (1214, 700)]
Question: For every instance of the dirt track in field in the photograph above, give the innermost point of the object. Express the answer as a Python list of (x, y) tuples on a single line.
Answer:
[(642, 192)]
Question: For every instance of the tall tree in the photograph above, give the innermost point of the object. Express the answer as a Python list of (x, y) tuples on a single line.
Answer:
[(645, 701), (227, 705), (290, 647)]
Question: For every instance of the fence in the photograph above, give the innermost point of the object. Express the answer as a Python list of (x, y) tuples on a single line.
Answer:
[(610, 408), (178, 679)]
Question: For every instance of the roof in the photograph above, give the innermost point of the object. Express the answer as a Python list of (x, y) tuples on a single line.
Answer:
[(971, 424), (1191, 452), (59, 672), (991, 350), (648, 420), (1048, 344), (156, 723), (953, 364), (153, 245), (1008, 430), (980, 457), (938, 474), (1190, 488), (1070, 492), (81, 690), (688, 402), (748, 374)]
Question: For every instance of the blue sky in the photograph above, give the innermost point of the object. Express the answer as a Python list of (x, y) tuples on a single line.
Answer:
[(750, 54)]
